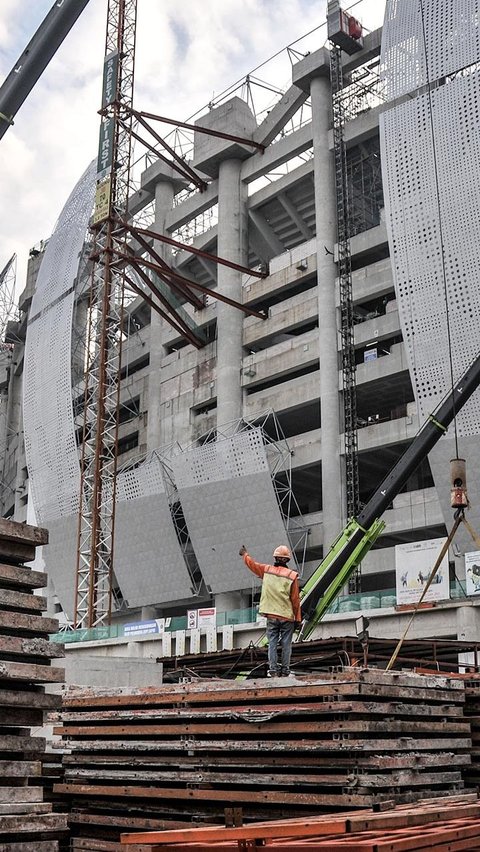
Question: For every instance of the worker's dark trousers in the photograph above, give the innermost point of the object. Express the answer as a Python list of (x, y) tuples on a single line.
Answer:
[(279, 635)]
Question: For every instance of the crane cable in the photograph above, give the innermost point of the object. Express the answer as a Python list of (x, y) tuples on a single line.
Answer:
[(439, 211)]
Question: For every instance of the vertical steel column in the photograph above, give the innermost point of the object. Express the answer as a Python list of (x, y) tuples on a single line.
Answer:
[(93, 599), (346, 298)]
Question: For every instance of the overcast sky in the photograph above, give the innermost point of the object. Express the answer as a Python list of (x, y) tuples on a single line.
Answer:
[(187, 54)]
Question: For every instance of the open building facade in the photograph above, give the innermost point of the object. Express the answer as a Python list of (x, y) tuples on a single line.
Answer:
[(272, 210)]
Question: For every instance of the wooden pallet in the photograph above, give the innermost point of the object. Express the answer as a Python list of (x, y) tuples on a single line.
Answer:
[(273, 747), (27, 821)]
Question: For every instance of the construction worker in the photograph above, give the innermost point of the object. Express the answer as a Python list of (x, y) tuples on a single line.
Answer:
[(280, 603)]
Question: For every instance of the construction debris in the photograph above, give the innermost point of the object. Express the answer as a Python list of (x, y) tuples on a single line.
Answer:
[(274, 748), (321, 655), (26, 820)]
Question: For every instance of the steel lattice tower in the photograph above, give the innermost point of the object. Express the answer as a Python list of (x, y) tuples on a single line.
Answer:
[(346, 299), (93, 598)]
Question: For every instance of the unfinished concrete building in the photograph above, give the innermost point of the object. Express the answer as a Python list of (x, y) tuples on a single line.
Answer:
[(272, 208)]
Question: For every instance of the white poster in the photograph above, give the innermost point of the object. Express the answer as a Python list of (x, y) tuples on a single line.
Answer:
[(413, 565), (207, 617), (472, 572)]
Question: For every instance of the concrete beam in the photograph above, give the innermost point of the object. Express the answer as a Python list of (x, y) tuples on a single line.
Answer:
[(295, 215), (378, 328), (267, 233), (282, 318), (282, 112), (283, 150), (280, 185), (204, 241), (281, 359), (198, 203)]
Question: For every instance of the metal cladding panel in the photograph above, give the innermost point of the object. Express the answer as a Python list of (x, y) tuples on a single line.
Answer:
[(424, 40), (148, 560), (228, 499), (416, 230), (50, 445), (420, 219), (60, 556)]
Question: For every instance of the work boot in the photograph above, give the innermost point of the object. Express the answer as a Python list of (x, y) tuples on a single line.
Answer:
[(273, 674)]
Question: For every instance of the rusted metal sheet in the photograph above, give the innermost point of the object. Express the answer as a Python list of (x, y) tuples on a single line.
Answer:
[(331, 746), (348, 682), (292, 728), (346, 739), (324, 708), (339, 830)]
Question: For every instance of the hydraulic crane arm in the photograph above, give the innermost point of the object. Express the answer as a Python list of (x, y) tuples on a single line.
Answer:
[(35, 58), (360, 533)]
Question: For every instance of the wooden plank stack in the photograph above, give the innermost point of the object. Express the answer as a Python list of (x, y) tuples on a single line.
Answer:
[(274, 748), (27, 823)]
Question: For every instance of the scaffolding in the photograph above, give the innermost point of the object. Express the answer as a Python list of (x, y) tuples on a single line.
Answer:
[(345, 282)]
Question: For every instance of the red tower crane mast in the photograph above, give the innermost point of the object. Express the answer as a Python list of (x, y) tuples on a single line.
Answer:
[(93, 598)]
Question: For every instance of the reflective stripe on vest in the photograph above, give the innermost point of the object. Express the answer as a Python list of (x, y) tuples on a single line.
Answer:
[(276, 586)]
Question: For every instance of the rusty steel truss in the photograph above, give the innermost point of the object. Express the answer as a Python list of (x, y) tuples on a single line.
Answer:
[(117, 270)]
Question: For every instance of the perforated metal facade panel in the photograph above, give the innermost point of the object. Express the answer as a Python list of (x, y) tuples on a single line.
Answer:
[(50, 445), (425, 40), (416, 227), (228, 499), (60, 556), (149, 563)]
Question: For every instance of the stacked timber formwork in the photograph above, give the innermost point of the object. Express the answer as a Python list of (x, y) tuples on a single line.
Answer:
[(27, 823), (272, 748)]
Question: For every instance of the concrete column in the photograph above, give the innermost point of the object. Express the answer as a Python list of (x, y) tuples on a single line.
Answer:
[(468, 623), (325, 213), (164, 192), (232, 245)]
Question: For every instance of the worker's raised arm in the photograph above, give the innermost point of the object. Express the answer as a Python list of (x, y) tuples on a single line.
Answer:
[(257, 568)]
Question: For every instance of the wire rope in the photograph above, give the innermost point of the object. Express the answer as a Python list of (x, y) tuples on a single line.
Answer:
[(440, 219)]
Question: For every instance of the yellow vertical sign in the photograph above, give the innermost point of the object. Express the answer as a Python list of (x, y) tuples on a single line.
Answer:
[(102, 200)]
